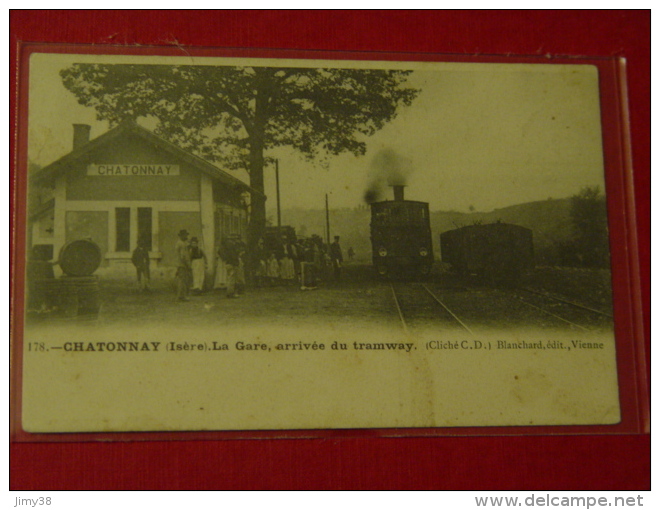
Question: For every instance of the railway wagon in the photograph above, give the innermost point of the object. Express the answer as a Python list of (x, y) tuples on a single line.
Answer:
[(401, 236), (274, 238), (498, 252)]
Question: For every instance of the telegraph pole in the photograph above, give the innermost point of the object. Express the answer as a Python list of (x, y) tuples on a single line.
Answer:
[(277, 187), (327, 220)]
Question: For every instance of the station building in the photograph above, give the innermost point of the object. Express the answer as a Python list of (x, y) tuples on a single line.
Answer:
[(128, 185)]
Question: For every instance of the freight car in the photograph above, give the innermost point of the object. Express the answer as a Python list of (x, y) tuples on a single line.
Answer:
[(276, 237), (500, 253), (401, 236)]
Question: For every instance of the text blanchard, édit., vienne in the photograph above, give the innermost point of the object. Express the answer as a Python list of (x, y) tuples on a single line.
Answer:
[(550, 344)]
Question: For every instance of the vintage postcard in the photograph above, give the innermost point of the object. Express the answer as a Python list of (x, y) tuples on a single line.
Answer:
[(247, 244)]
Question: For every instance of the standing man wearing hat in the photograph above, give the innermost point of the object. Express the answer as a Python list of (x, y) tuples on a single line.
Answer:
[(337, 258), (140, 259), (198, 266), (183, 267)]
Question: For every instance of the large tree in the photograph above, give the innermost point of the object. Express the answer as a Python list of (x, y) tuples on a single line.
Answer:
[(591, 239), (232, 115)]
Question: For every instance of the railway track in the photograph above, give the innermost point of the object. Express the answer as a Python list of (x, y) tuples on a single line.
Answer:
[(431, 304), (566, 311), (416, 304), (567, 302)]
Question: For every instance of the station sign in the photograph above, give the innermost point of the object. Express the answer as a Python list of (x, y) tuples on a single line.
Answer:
[(132, 169)]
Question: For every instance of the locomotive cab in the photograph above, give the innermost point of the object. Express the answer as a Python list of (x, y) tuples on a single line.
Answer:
[(401, 236)]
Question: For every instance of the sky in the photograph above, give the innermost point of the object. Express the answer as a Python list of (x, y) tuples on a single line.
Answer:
[(478, 136)]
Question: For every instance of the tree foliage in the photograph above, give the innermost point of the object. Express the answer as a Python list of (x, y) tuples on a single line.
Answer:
[(589, 215), (232, 114), (223, 112)]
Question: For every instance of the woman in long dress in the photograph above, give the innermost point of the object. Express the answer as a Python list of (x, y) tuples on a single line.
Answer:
[(272, 269), (220, 281), (287, 269)]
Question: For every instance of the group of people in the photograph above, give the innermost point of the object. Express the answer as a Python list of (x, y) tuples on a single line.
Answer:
[(302, 262), (192, 264)]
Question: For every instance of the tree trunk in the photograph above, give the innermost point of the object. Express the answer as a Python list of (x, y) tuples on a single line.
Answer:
[(258, 202)]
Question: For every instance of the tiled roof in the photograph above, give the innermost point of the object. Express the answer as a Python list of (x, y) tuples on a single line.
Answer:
[(129, 127)]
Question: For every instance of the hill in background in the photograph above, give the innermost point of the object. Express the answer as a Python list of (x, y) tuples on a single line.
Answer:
[(549, 220)]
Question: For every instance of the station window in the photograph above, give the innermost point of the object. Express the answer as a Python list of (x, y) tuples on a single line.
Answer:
[(144, 226), (123, 224), (221, 222)]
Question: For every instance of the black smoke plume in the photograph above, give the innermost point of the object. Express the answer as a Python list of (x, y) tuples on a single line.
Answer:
[(387, 169)]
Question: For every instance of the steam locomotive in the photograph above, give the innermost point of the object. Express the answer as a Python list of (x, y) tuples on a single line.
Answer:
[(499, 253), (401, 236)]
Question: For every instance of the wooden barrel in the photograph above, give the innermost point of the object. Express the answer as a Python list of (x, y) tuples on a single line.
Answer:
[(80, 258)]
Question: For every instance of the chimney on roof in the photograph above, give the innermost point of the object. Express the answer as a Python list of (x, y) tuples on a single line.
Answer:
[(80, 135), (398, 192)]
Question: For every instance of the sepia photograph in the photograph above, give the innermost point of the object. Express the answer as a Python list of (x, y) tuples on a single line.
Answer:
[(244, 244)]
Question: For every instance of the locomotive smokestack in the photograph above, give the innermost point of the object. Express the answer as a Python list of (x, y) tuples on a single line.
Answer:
[(398, 192)]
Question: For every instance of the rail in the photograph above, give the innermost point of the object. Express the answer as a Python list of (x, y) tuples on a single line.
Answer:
[(435, 298), (566, 301)]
